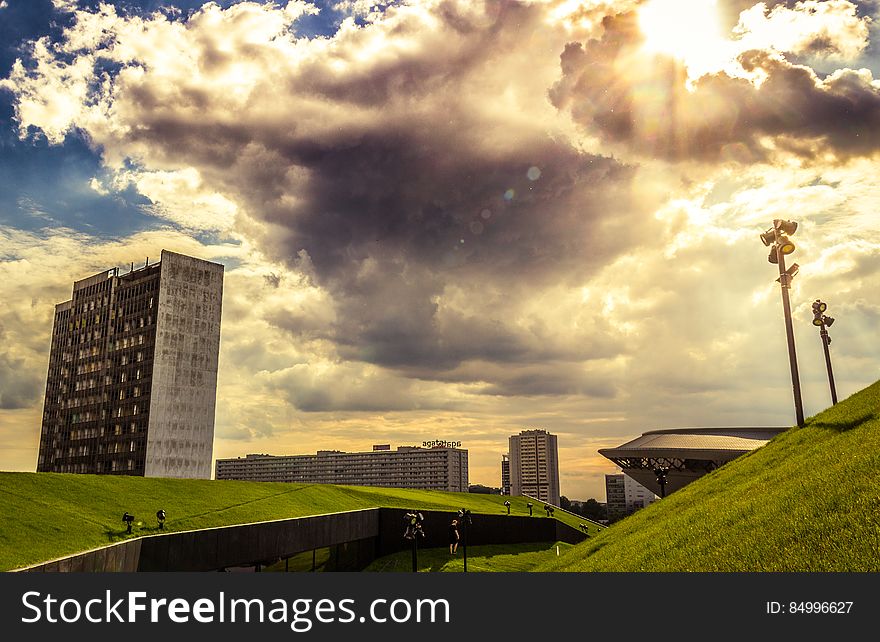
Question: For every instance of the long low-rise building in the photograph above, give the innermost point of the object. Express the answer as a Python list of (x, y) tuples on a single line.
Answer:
[(407, 467)]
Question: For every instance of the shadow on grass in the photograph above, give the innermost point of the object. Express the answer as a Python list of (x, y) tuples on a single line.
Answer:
[(846, 423), (598, 547), (436, 560), (114, 536)]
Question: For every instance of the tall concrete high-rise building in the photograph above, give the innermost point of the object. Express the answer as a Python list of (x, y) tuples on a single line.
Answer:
[(534, 465), (505, 474), (132, 379)]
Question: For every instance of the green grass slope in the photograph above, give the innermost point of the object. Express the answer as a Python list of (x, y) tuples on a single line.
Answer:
[(494, 558), (47, 515), (807, 501)]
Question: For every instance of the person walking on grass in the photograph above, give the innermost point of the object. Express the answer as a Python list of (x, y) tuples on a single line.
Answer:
[(453, 537)]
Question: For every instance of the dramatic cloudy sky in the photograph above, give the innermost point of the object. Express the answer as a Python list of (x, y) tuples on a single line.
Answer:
[(453, 219)]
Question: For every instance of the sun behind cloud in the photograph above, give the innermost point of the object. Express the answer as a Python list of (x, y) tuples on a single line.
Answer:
[(688, 30)]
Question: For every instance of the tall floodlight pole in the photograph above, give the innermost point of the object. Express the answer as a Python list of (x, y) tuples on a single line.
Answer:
[(464, 519), (661, 473), (777, 238), (822, 322), (413, 531)]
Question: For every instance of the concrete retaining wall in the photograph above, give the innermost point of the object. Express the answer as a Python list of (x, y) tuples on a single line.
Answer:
[(356, 539), (251, 544)]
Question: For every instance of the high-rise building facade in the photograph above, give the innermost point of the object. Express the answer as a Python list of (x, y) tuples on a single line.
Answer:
[(624, 496), (132, 380), (505, 474), (407, 467), (534, 465)]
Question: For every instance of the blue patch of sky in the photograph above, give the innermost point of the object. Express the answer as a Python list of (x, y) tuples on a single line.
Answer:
[(871, 56), (43, 185)]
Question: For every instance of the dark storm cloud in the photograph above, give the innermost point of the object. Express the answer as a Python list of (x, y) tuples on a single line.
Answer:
[(392, 221), (557, 379), (721, 117), (19, 387), (414, 193)]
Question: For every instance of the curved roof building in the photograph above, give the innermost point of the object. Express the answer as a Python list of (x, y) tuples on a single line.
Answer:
[(686, 453)]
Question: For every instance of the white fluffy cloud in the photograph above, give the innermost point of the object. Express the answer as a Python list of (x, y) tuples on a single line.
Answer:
[(831, 28), (64, 6)]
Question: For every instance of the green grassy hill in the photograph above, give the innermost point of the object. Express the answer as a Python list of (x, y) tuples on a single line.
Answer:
[(47, 515), (807, 501)]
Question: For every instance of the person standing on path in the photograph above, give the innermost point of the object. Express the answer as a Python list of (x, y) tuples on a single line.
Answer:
[(453, 537)]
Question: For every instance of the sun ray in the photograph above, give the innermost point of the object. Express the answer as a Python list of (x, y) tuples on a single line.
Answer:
[(687, 30)]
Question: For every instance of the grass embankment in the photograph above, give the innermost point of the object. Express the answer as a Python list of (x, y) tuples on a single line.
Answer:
[(807, 501), (48, 515), (494, 558)]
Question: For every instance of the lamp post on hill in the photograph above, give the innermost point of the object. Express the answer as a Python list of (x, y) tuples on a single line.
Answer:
[(823, 323), (413, 531), (464, 519), (661, 479), (776, 238)]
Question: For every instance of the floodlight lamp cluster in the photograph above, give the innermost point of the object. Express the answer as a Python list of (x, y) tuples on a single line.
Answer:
[(776, 238), (464, 517), (413, 520), (820, 319), (549, 510)]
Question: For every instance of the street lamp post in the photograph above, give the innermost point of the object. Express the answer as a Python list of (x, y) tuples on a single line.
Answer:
[(822, 321), (661, 479), (413, 531), (780, 246), (464, 519), (507, 504)]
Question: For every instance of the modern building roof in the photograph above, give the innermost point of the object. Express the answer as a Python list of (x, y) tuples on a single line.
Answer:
[(687, 453), (687, 439)]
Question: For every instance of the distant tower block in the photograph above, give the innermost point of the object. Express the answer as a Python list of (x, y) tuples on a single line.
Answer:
[(132, 382), (534, 465)]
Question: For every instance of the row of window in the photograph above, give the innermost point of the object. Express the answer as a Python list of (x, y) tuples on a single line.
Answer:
[(111, 449), (105, 467), (133, 291), (85, 322), (94, 432), (119, 411), (90, 305)]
